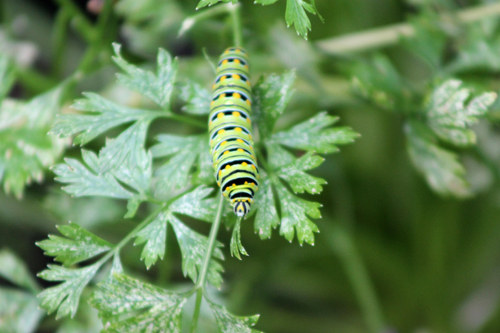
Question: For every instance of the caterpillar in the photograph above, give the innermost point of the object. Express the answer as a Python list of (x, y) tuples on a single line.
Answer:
[(230, 131)]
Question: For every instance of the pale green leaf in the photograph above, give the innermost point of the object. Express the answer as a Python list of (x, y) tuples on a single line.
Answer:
[(79, 245), (119, 298), (13, 269), (270, 97), (154, 235), (195, 204), (277, 155), (235, 246), (229, 323), (265, 2), (440, 167), (19, 312), (316, 135), (300, 181), (204, 3), (267, 216), (193, 247), (105, 115), (197, 98), (6, 76), (293, 216), (66, 295), (158, 87), (449, 116), (87, 181)]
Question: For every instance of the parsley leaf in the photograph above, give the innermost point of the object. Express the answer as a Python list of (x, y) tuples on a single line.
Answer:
[(296, 14), (449, 115), (119, 298), (197, 98), (300, 181), (66, 295), (79, 245), (229, 323), (204, 3)]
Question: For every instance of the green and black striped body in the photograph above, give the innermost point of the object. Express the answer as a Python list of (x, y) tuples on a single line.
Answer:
[(230, 128)]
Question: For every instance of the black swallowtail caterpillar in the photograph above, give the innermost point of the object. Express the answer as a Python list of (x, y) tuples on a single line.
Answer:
[(230, 130)]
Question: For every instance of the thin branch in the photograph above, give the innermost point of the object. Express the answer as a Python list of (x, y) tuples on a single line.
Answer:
[(380, 37)]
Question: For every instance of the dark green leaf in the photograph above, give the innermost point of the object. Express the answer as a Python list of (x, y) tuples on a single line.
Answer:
[(197, 98), (229, 323), (13, 269), (193, 247), (315, 135), (157, 87), (270, 96), (449, 116), (79, 245), (154, 235), (66, 295), (440, 167)]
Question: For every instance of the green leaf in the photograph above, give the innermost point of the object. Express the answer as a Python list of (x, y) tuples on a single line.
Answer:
[(265, 2), (88, 181), (79, 245), (440, 167), (19, 312), (300, 181), (175, 174), (195, 204), (267, 216), (235, 246), (66, 295), (204, 3), (154, 235), (193, 246), (6, 76), (118, 299), (270, 96), (316, 135), (229, 323), (296, 14), (26, 150), (293, 215), (278, 156), (13, 269), (105, 115), (197, 98), (449, 115), (157, 87)]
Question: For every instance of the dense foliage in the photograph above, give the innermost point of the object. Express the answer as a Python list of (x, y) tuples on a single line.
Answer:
[(407, 214)]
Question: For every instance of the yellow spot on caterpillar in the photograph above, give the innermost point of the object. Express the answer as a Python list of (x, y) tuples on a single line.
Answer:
[(223, 143), (220, 173), (236, 95), (239, 140), (223, 78), (253, 166), (236, 114), (224, 62), (248, 120), (248, 102), (218, 183), (244, 164), (233, 185), (246, 66), (238, 51), (220, 115), (226, 52), (240, 150), (210, 124), (221, 131), (237, 61), (211, 103), (246, 182), (236, 76), (213, 86), (228, 167), (238, 129), (226, 152), (222, 96)]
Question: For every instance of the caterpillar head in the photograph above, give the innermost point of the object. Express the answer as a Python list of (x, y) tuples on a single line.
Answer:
[(241, 208)]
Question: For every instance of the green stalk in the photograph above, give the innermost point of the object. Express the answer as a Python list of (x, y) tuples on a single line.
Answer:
[(236, 18), (200, 284), (82, 23), (60, 37), (342, 244), (390, 35), (190, 21)]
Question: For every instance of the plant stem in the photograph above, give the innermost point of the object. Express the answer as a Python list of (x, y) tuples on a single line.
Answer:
[(190, 21), (59, 37), (236, 18), (186, 120), (200, 284), (343, 245), (380, 37), (82, 23)]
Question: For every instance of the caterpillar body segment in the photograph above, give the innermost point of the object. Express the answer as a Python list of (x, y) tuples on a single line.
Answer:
[(230, 131)]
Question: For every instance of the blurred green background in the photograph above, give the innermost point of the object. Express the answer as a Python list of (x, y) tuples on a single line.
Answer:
[(389, 246)]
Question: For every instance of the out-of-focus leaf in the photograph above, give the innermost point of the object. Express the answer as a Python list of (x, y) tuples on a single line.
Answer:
[(300, 181), (118, 299), (19, 312), (155, 236), (440, 167), (158, 87), (6, 76), (193, 246), (197, 98), (204, 3), (66, 295), (296, 15), (316, 135), (13, 269), (265, 2), (79, 245), (449, 116), (229, 323)]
